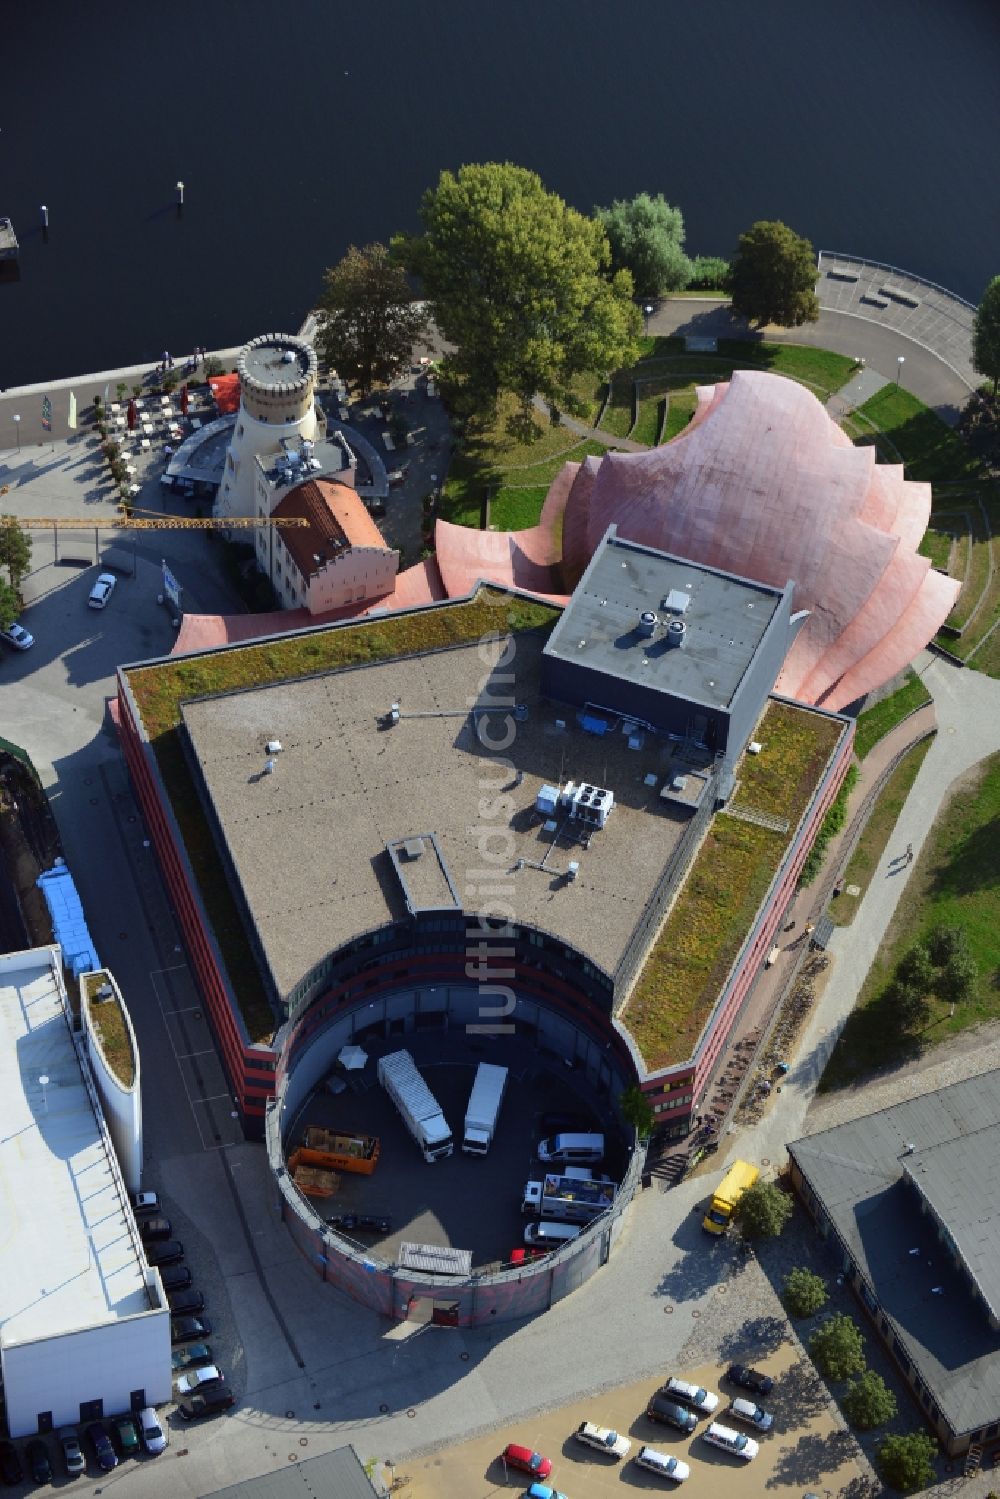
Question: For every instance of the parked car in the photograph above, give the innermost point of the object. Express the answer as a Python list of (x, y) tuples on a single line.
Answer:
[(104, 1454), (603, 1438), (524, 1256), (18, 637), (102, 591), (211, 1402), (367, 1223), (154, 1437), (542, 1491), (557, 1123), (72, 1452), (124, 1428), (751, 1414), (10, 1464), (144, 1202), (733, 1442), (662, 1464), (750, 1379), (188, 1329), (195, 1378), (528, 1462), (39, 1461), (166, 1252), (175, 1277), (668, 1411), (703, 1401), (182, 1303), (154, 1228), (190, 1357)]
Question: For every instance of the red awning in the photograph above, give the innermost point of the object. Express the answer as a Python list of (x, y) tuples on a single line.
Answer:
[(226, 391)]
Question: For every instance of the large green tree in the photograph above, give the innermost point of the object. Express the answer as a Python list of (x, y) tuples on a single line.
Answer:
[(368, 321), (905, 1460), (772, 277), (10, 605), (519, 284), (646, 236), (868, 1401), (837, 1348), (763, 1211), (803, 1292), (15, 550), (986, 334)]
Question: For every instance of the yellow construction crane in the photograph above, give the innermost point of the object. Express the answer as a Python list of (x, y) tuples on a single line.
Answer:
[(146, 522)]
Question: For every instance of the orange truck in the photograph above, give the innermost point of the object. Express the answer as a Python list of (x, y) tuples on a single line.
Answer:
[(339, 1152)]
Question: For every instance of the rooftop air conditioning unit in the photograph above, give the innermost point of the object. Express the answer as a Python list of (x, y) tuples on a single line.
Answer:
[(647, 624), (273, 746), (676, 631)]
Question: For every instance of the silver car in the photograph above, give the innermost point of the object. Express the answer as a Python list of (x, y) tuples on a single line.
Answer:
[(102, 591), (18, 637)]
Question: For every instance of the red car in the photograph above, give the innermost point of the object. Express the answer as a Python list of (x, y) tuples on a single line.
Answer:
[(523, 1256), (528, 1461)]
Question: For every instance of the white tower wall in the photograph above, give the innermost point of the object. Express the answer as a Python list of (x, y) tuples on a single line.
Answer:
[(277, 401)]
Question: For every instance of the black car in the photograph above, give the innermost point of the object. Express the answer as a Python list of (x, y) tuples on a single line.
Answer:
[(175, 1277), (368, 1223), (189, 1329), (104, 1454), (185, 1302), (165, 1253), (670, 1413), (211, 1402), (38, 1460), (155, 1228), (10, 1464), (750, 1379)]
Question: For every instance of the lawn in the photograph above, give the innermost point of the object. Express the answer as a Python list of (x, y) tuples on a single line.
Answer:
[(937, 545), (160, 690), (928, 448), (871, 846), (875, 722), (701, 937), (955, 884)]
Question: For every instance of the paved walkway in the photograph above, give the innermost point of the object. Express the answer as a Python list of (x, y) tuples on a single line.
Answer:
[(862, 385)]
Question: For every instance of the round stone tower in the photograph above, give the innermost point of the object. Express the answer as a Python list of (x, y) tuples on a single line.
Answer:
[(277, 403)]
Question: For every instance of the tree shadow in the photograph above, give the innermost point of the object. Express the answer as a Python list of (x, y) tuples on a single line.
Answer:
[(810, 1459), (871, 1041), (971, 865), (798, 1396), (754, 1339), (701, 1264)]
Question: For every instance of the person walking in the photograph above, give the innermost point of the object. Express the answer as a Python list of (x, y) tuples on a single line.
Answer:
[(909, 853)]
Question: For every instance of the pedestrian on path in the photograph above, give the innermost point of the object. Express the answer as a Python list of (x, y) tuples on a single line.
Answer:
[(909, 853)]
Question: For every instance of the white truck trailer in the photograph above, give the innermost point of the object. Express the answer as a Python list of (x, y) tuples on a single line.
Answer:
[(568, 1198), (484, 1108), (418, 1108)]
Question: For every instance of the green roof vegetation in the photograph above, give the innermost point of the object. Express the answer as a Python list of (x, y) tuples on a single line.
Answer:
[(111, 1028), (160, 690), (709, 921)]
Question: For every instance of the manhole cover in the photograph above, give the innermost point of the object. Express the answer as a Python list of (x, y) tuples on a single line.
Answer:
[(695, 1312), (722, 1290), (668, 1310), (293, 1457), (411, 1413), (289, 1415), (765, 1160), (464, 1357), (303, 1441), (383, 1408)]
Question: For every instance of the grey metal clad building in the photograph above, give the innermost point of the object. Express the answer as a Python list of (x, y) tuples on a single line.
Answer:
[(674, 646), (338, 1474), (911, 1194)]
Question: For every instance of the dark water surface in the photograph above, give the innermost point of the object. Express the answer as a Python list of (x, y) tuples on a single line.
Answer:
[(298, 126)]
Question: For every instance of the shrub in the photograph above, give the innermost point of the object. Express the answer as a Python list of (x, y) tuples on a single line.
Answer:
[(868, 1401), (837, 1347), (832, 824), (762, 1211), (708, 273), (946, 943), (803, 1292)]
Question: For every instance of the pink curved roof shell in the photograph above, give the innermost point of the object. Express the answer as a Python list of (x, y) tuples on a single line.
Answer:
[(764, 484), (527, 559)]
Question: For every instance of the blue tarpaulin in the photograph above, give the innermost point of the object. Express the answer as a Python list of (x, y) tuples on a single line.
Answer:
[(592, 725), (69, 927)]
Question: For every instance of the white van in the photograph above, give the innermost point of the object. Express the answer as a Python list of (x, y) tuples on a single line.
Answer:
[(733, 1442), (549, 1235), (751, 1414), (574, 1150), (662, 1464)]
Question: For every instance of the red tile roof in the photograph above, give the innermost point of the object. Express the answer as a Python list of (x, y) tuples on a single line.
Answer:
[(337, 520)]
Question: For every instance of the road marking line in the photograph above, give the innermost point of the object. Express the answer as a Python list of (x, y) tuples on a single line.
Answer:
[(187, 1056)]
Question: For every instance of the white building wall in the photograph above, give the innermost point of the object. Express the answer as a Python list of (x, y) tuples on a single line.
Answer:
[(105, 1363), (122, 1106), (358, 573), (251, 439)]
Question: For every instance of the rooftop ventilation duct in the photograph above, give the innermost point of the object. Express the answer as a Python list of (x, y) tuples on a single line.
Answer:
[(647, 624), (676, 633)]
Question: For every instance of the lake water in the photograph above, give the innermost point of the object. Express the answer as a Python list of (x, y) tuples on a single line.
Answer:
[(300, 127)]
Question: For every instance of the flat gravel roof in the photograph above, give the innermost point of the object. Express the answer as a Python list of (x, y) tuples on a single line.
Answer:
[(67, 1257), (309, 842)]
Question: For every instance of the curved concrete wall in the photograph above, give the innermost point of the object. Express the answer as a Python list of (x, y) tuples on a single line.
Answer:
[(122, 1105)]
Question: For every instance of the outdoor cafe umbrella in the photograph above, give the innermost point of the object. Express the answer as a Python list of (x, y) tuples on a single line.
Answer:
[(351, 1057), (131, 415), (184, 399)]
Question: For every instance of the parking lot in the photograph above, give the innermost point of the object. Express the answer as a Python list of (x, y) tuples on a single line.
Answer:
[(468, 1202), (806, 1450)]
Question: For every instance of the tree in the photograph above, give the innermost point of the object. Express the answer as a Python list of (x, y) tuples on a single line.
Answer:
[(773, 276), (946, 943), (868, 1402), (979, 424), (905, 1460), (10, 605), (368, 321), (646, 236), (762, 1211), (518, 285), (986, 334), (837, 1347), (916, 968), (636, 1110), (803, 1292), (15, 550), (957, 980)]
